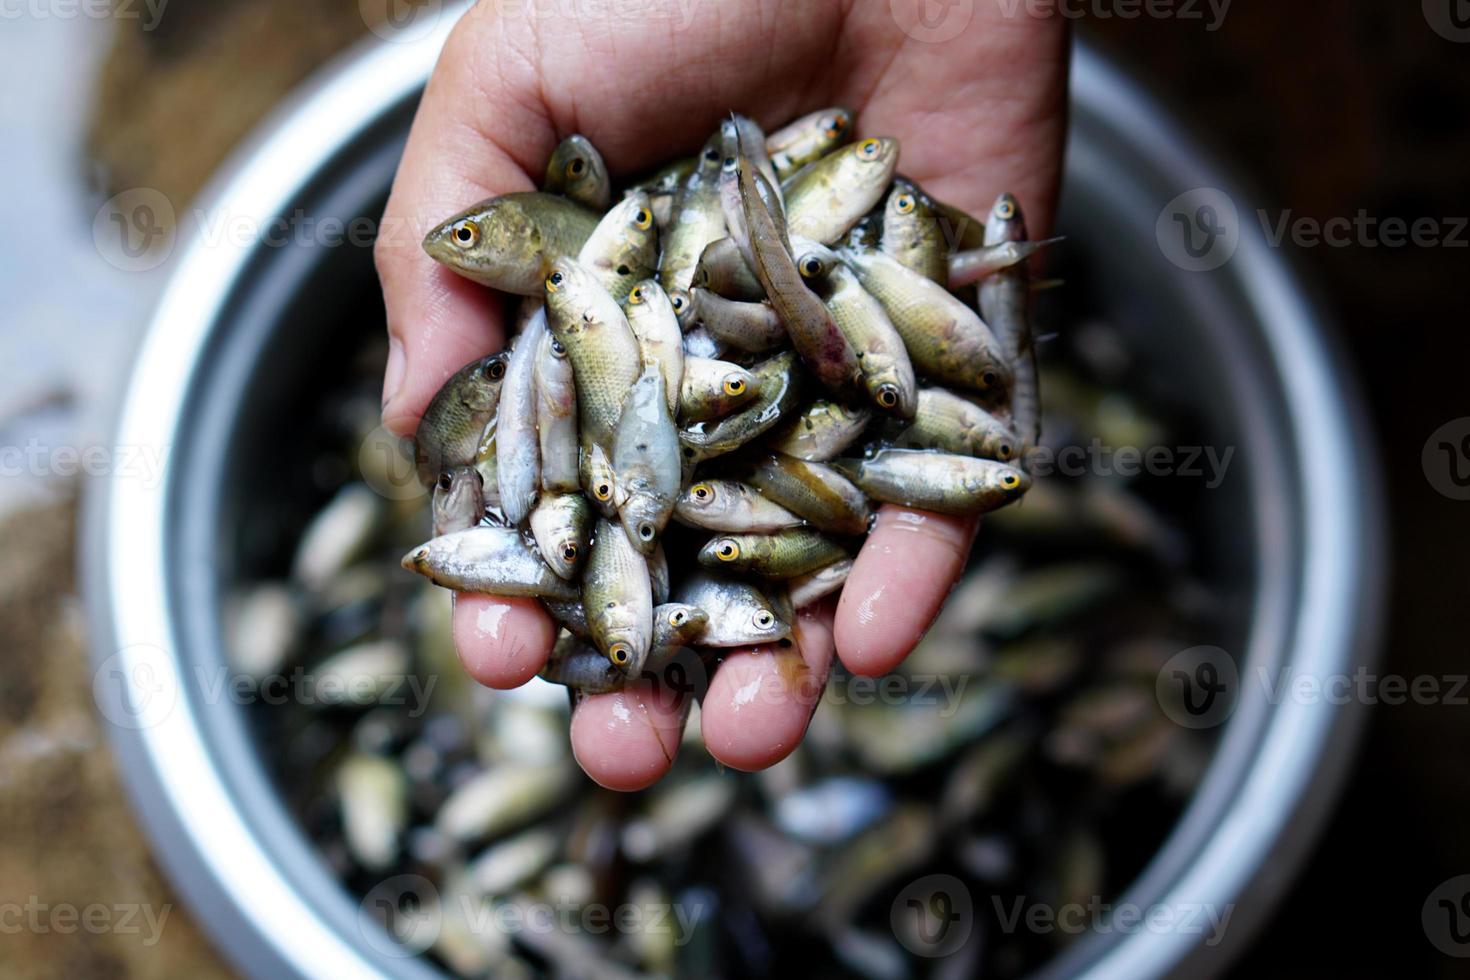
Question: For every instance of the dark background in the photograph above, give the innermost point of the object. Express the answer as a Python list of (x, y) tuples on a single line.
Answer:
[(1327, 108)]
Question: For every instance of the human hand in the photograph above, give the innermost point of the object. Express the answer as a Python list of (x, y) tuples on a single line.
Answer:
[(978, 114)]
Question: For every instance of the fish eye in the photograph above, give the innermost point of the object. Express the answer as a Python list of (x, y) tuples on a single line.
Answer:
[(603, 490), (887, 397), (834, 125), (702, 492), (811, 266), (619, 654), (569, 552), (642, 218), (734, 386), (677, 301), (764, 620), (730, 164), (904, 203), (1005, 450), (646, 532), (636, 295), (989, 379), (466, 234), (1010, 481), (558, 349), (712, 154), (576, 167), (554, 282), (727, 550), (495, 370), (868, 148), (445, 481), (678, 617), (1006, 210)]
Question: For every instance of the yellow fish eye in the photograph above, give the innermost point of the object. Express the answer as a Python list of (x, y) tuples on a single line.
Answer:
[(1006, 210), (603, 490), (554, 281), (635, 296), (868, 148), (1009, 481), (1005, 450), (576, 167), (702, 492), (835, 125), (904, 204), (734, 386), (569, 552), (466, 234), (643, 218), (887, 397), (811, 266), (620, 654), (727, 550)]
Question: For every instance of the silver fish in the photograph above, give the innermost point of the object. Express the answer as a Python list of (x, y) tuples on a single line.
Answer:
[(517, 444), (493, 560), (739, 614), (646, 461)]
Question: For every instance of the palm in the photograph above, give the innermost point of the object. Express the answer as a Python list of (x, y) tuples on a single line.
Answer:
[(976, 115)]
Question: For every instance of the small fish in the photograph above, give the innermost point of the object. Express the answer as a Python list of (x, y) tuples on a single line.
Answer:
[(492, 560), (556, 417), (618, 596), (821, 431), (1006, 299), (945, 339), (737, 133), (809, 138), (675, 626), (824, 200), (374, 795), (517, 443), (458, 500), (782, 555), (888, 375), (945, 484), (696, 221), (822, 347), (597, 478), (952, 424), (655, 325), (561, 524), (814, 491), (779, 388), (713, 388), (663, 188), (728, 505), (623, 249), (486, 464), (576, 170), (658, 574), (646, 461), (501, 798), (509, 242), (571, 616), (975, 264), (576, 665), (817, 585), (722, 269), (912, 233), (603, 351), (449, 432), (337, 536), (738, 613), (752, 328)]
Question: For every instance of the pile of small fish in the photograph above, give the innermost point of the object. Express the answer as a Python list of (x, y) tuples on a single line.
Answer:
[(752, 343), (1020, 748)]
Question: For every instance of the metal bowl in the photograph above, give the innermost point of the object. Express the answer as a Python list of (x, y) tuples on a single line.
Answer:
[(233, 345)]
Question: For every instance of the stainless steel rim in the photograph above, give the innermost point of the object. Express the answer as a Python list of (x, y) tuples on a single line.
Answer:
[(1235, 845)]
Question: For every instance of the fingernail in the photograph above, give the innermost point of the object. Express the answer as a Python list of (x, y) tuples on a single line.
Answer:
[(393, 375)]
